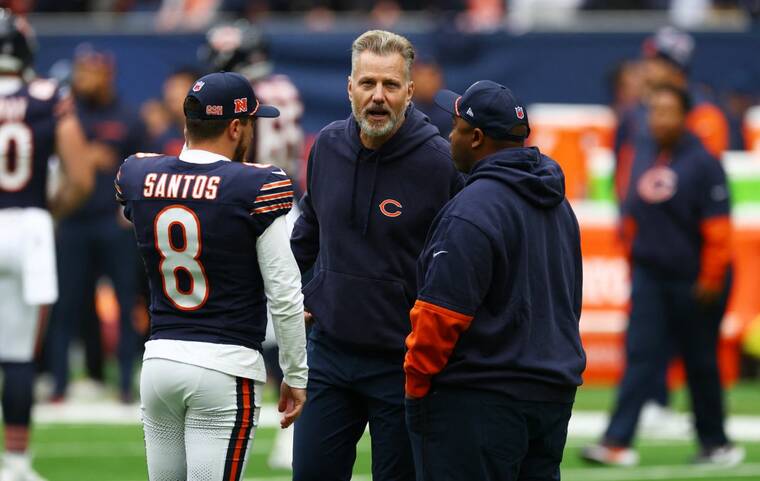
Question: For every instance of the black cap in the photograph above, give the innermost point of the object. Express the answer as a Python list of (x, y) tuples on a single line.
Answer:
[(17, 43), (227, 95), (489, 106)]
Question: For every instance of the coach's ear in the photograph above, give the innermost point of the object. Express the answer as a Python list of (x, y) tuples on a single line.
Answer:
[(478, 137), (349, 87)]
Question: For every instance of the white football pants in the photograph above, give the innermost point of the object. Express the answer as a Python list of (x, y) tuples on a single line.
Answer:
[(27, 279), (199, 423)]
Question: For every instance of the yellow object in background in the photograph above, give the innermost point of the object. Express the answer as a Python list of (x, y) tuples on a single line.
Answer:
[(752, 337)]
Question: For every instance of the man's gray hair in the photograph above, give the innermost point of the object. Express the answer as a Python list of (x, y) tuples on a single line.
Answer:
[(382, 42)]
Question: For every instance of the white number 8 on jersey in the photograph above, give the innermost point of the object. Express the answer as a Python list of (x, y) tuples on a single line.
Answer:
[(185, 257)]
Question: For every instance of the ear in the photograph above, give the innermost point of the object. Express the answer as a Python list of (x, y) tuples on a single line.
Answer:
[(478, 137), (350, 87), (235, 130), (410, 92)]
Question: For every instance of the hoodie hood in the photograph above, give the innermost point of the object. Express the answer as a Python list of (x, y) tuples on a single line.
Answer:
[(415, 131), (534, 176)]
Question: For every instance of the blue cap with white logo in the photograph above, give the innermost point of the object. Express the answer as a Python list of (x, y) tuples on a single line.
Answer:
[(227, 95), (489, 106)]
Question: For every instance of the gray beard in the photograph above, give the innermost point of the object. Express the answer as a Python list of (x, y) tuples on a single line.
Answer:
[(372, 130)]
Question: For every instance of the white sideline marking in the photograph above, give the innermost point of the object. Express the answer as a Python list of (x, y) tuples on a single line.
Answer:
[(583, 424)]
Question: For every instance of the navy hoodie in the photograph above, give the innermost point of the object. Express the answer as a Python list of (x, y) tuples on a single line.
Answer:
[(363, 224), (500, 286)]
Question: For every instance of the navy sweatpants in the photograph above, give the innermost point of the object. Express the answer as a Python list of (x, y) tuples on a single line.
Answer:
[(86, 250), (466, 435), (348, 389), (665, 314)]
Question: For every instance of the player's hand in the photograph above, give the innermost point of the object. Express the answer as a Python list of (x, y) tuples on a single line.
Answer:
[(308, 319), (291, 404)]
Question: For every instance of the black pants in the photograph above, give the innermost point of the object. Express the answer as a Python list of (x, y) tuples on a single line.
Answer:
[(348, 389), (85, 251), (665, 314), (465, 435)]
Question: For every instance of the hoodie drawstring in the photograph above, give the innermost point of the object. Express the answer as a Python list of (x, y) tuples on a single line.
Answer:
[(371, 196), (352, 215)]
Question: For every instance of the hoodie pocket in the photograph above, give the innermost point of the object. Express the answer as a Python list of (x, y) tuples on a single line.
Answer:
[(359, 310)]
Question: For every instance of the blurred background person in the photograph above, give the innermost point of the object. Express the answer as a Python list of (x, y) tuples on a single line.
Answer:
[(676, 219), (164, 119), (666, 59), (94, 240), (626, 84), (740, 94), (36, 120), (427, 75)]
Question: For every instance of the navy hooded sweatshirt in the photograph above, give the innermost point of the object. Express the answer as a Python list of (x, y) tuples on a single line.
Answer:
[(500, 286), (363, 224)]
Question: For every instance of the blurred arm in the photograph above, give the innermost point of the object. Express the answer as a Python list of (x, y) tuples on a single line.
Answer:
[(79, 175)]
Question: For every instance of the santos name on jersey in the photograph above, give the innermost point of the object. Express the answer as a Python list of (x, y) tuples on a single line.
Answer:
[(196, 225)]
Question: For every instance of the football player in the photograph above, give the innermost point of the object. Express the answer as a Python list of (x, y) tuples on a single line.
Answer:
[(36, 120), (211, 229), (241, 47)]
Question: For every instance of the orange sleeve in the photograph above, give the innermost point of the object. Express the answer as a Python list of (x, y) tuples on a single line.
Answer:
[(708, 123), (716, 251), (435, 332)]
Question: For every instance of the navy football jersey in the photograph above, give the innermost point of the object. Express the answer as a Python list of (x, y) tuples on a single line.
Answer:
[(28, 120), (196, 227)]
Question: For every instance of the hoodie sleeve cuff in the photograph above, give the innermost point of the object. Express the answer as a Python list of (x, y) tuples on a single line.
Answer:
[(417, 386)]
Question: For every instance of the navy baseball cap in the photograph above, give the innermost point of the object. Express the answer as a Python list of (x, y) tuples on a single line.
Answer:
[(227, 95), (671, 44), (489, 106)]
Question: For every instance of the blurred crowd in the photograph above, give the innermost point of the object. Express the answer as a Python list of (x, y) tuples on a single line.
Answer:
[(475, 15)]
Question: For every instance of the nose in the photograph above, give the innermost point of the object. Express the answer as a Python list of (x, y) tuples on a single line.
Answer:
[(378, 95)]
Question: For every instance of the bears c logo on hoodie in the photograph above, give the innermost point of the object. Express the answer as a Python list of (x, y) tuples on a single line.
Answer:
[(390, 208)]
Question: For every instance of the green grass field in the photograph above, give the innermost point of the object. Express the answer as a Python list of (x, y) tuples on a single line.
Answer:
[(116, 453), (76, 452)]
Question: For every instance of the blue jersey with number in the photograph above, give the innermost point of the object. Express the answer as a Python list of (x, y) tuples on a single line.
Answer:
[(196, 227), (28, 119)]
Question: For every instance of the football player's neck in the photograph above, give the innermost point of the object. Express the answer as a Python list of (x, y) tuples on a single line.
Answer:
[(215, 146)]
